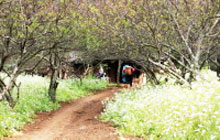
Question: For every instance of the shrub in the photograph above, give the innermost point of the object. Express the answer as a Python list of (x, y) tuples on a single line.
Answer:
[(72, 88), (169, 111)]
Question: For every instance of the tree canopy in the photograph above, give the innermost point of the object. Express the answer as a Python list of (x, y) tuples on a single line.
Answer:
[(178, 36)]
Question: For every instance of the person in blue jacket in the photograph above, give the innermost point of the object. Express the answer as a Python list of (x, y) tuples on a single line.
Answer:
[(127, 74)]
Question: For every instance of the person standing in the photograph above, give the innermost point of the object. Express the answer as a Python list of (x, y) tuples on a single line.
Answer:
[(127, 74)]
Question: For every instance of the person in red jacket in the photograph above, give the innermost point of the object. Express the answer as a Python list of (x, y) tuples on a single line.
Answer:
[(127, 74)]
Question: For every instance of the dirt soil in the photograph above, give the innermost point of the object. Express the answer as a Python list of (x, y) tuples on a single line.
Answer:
[(76, 120)]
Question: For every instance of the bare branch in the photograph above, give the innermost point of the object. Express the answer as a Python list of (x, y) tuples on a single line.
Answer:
[(169, 70)]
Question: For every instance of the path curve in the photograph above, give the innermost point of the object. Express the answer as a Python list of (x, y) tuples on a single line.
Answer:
[(73, 121)]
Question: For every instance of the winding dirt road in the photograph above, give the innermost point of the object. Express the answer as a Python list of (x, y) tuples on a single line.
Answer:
[(73, 121)]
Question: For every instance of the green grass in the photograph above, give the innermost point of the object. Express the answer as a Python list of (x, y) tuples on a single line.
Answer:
[(34, 98), (169, 112), (67, 90)]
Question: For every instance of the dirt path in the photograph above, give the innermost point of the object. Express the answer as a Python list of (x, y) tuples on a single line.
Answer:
[(73, 121)]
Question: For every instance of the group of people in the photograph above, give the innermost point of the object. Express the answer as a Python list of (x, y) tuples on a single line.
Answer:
[(127, 74), (101, 74)]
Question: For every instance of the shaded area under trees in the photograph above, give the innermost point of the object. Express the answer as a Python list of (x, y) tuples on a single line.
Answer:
[(179, 37)]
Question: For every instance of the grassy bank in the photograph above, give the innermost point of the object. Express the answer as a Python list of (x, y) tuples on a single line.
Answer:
[(34, 98), (169, 112)]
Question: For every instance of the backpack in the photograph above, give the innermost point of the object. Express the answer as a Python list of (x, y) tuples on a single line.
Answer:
[(128, 71)]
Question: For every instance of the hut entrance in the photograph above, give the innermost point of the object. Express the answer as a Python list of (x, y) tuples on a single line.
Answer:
[(112, 70)]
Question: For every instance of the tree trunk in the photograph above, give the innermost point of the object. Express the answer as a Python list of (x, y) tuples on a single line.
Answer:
[(54, 75), (5, 89), (60, 72), (53, 84), (118, 71), (66, 72)]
